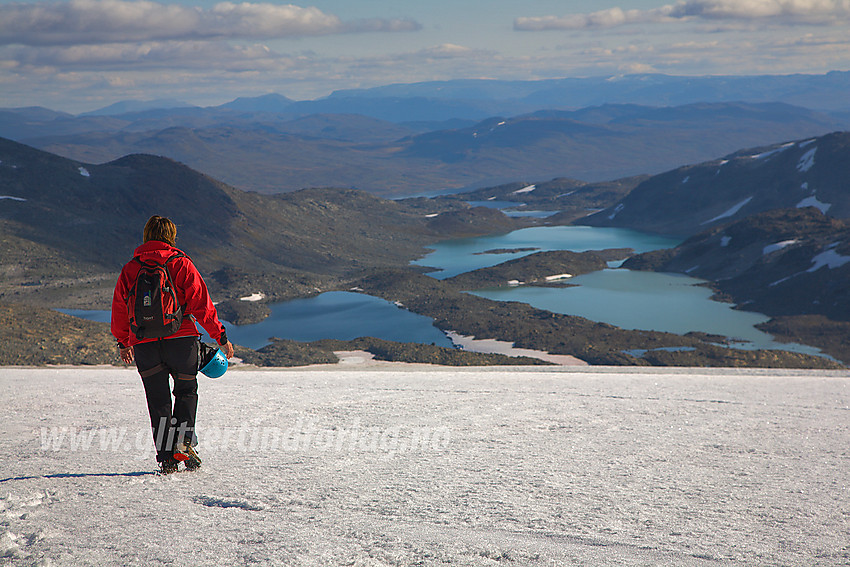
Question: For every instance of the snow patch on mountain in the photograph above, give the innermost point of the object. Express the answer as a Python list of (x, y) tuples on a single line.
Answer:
[(12, 198), (770, 153), (253, 297), (778, 246), (807, 161), (84, 172), (731, 212), (617, 210), (724, 242), (527, 189), (829, 258), (813, 202)]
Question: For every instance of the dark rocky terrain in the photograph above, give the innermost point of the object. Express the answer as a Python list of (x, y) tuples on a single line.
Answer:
[(67, 227), (691, 199), (535, 268), (568, 199), (34, 336), (291, 353)]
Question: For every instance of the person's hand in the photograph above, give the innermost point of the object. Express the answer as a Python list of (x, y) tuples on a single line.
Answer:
[(227, 348), (126, 354)]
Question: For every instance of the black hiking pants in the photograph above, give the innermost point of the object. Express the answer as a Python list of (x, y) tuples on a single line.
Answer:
[(157, 362)]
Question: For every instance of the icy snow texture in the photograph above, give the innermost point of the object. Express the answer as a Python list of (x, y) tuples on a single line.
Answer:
[(540, 467), (807, 161), (829, 258), (731, 212), (778, 246), (771, 153), (813, 202), (616, 211)]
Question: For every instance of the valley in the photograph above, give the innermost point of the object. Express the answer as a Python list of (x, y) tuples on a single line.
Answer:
[(764, 224)]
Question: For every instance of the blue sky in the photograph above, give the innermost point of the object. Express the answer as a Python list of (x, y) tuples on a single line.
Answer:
[(78, 55)]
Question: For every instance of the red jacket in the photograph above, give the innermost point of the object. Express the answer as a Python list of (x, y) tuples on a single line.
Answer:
[(191, 292)]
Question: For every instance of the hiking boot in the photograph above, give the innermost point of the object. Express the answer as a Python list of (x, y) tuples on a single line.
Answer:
[(184, 452), (168, 466)]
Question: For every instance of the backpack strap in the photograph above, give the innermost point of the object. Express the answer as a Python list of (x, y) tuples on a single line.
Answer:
[(171, 279)]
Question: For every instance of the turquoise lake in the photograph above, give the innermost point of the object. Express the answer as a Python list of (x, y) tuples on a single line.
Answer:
[(454, 257)]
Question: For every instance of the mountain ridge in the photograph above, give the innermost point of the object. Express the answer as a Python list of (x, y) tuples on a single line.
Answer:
[(270, 154), (281, 245), (690, 199)]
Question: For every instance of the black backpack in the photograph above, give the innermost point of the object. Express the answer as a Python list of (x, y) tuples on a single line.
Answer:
[(152, 304)]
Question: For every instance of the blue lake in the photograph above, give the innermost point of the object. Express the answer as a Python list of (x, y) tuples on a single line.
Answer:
[(332, 315), (339, 315)]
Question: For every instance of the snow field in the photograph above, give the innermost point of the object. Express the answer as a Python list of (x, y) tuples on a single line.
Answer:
[(550, 467)]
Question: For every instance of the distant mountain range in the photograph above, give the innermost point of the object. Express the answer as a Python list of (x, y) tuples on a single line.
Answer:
[(129, 106), (476, 99), (273, 153), (825, 92)]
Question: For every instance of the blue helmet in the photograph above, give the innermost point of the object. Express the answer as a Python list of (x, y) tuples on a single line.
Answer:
[(212, 361)]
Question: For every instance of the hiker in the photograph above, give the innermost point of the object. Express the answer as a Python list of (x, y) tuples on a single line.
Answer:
[(166, 345)]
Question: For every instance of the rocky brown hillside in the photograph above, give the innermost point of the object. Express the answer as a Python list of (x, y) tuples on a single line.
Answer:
[(36, 336), (67, 227)]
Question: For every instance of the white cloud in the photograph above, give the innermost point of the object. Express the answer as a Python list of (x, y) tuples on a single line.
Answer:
[(602, 19), (779, 11), (152, 55), (84, 22), (445, 51)]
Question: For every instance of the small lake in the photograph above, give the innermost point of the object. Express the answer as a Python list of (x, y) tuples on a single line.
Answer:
[(453, 257), (332, 315), (649, 301), (339, 315)]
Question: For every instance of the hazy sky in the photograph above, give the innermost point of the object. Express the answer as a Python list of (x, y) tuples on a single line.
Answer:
[(79, 55)]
